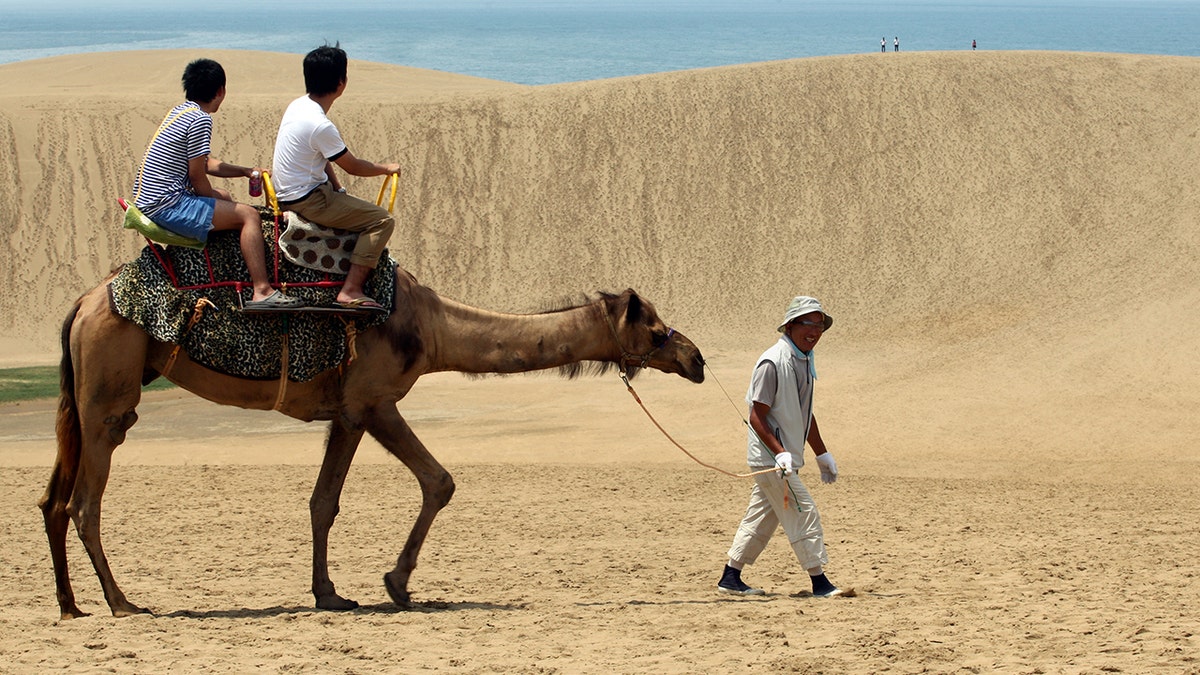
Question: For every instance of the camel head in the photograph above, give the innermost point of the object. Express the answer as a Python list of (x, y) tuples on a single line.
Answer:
[(644, 340)]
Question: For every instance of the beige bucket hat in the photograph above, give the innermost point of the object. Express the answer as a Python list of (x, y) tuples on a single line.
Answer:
[(801, 305)]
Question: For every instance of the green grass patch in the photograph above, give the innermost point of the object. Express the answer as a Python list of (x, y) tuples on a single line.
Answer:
[(25, 384)]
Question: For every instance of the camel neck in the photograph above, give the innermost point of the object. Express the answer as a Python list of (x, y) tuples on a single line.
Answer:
[(479, 341)]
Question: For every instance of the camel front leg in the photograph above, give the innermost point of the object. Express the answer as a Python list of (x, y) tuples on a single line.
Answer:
[(324, 507), (389, 428)]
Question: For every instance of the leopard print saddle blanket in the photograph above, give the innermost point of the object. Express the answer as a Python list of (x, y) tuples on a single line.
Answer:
[(226, 340)]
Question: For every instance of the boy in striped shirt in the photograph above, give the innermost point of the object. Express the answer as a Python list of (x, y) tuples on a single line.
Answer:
[(173, 189)]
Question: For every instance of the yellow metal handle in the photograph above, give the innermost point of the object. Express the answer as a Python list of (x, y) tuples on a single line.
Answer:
[(269, 188), (394, 179), (273, 202)]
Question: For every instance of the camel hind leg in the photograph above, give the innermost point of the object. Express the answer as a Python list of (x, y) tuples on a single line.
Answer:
[(107, 357), (62, 477), (437, 487), (54, 511)]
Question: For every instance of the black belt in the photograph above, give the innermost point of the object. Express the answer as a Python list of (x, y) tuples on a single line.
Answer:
[(289, 202)]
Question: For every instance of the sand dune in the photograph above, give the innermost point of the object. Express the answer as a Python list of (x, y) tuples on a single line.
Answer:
[(1009, 244), (1018, 225)]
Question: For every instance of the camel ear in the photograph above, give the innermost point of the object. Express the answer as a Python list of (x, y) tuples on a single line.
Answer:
[(633, 310)]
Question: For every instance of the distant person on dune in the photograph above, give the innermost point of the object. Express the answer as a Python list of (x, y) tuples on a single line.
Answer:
[(883, 44), (897, 43), (781, 421), (173, 189), (306, 148), (972, 45)]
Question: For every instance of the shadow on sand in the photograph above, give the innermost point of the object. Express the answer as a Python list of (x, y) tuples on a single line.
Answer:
[(428, 606)]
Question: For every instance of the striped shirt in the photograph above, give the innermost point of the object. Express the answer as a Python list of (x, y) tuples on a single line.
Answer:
[(186, 134)]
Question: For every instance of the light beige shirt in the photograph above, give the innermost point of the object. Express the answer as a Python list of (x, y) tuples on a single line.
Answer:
[(783, 380)]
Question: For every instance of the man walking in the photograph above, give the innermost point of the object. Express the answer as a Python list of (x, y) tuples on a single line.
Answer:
[(781, 422)]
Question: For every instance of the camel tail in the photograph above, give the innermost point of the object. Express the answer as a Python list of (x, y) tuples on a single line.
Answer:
[(66, 426), (66, 467)]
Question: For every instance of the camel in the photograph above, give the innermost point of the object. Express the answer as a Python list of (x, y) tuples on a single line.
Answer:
[(106, 360)]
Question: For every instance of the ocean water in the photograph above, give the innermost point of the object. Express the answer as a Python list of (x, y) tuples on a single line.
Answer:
[(547, 41)]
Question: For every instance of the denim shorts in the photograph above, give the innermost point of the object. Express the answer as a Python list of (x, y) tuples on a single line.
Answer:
[(191, 217)]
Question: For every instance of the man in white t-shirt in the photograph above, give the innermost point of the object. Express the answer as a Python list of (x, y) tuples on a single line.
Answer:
[(781, 422), (306, 148)]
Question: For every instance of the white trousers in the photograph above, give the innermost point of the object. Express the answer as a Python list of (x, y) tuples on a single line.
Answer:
[(776, 501)]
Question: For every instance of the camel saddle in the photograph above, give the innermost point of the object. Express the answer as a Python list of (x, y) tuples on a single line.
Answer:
[(216, 335), (317, 247)]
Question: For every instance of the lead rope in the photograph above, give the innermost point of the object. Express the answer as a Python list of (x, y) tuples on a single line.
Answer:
[(626, 356), (629, 387), (736, 410)]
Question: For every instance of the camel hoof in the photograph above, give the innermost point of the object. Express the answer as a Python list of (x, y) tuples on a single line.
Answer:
[(129, 610), (399, 592), (73, 613), (336, 602)]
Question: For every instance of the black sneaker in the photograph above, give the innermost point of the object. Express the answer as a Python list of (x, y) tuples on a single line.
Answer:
[(824, 588), (731, 582)]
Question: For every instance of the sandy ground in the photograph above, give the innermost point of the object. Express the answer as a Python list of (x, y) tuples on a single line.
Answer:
[(592, 545), (1008, 245)]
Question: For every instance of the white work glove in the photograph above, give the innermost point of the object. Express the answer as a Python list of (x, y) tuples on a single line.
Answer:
[(784, 461), (828, 468)]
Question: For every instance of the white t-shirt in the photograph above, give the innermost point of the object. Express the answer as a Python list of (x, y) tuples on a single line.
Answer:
[(306, 141)]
